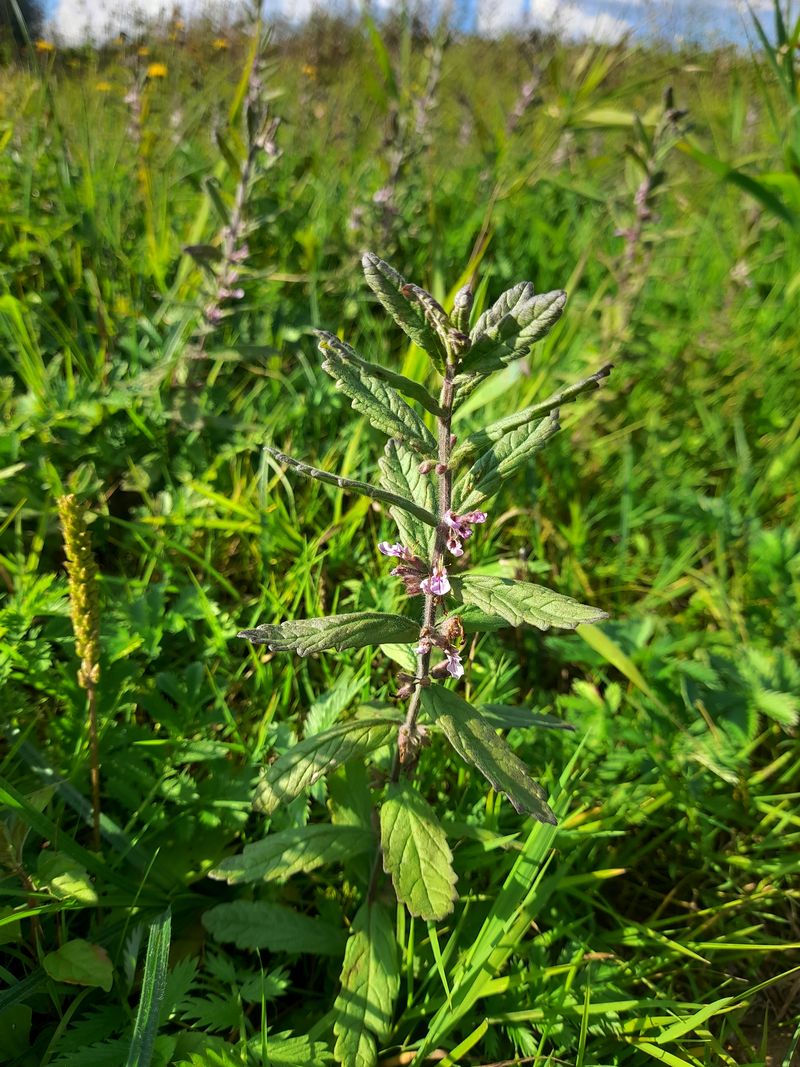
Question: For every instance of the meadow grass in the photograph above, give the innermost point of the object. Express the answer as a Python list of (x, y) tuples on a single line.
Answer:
[(658, 922)]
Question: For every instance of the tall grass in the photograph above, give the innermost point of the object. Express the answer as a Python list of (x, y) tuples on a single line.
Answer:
[(657, 924)]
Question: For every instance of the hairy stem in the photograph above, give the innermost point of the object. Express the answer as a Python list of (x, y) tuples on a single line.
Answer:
[(445, 489)]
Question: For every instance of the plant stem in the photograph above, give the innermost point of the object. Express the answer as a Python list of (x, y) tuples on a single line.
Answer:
[(445, 480), (445, 491), (94, 769)]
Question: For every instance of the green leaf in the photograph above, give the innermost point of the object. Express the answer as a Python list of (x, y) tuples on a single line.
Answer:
[(407, 386), (154, 985), (388, 286), (478, 442), (509, 328), (416, 854), (382, 405), (65, 878), (508, 717), (355, 630), (400, 475), (520, 602), (256, 924), (80, 963), (309, 760), (501, 461), (289, 852), (477, 744), (370, 981), (364, 488), (783, 708)]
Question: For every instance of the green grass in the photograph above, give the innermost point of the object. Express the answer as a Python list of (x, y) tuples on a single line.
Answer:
[(657, 923)]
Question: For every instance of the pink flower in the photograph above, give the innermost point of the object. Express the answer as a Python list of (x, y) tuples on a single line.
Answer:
[(461, 528), (398, 550), (437, 584), (455, 667)]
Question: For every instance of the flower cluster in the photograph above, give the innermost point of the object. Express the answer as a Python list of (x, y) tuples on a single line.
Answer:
[(414, 572), (459, 527), (449, 634)]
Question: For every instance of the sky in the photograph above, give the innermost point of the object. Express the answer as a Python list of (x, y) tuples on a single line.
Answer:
[(605, 20)]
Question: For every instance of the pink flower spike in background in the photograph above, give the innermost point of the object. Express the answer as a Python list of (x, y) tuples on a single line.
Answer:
[(437, 584)]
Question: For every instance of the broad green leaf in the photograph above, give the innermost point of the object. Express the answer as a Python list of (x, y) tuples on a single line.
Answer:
[(388, 286), (356, 630), (363, 488), (521, 602), (480, 441), (256, 924), (370, 981), (476, 621), (502, 459), (400, 475), (416, 854), (80, 963), (407, 386), (508, 717), (154, 985), (289, 852), (508, 330), (382, 405), (310, 759), (477, 744), (65, 878)]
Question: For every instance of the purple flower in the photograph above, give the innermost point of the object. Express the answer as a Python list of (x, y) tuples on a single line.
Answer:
[(455, 668), (398, 550), (436, 584), (461, 528)]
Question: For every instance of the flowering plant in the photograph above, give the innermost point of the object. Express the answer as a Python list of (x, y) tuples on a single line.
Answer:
[(436, 488)]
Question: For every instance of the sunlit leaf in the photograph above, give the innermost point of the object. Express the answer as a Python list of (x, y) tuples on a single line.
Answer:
[(416, 853), (477, 743)]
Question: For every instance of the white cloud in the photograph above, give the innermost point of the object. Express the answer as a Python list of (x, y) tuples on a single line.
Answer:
[(75, 20), (503, 16)]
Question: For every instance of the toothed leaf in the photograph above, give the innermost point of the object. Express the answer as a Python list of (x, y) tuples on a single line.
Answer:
[(416, 854), (307, 761), (289, 852), (524, 602), (477, 743), (338, 632), (388, 285), (407, 386), (382, 405), (501, 460), (400, 475), (370, 981), (255, 924)]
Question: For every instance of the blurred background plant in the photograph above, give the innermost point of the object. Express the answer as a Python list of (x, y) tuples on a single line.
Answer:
[(662, 927)]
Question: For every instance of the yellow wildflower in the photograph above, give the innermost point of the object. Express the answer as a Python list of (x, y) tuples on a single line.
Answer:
[(45, 46), (157, 70), (309, 70), (143, 51), (104, 87), (219, 43)]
